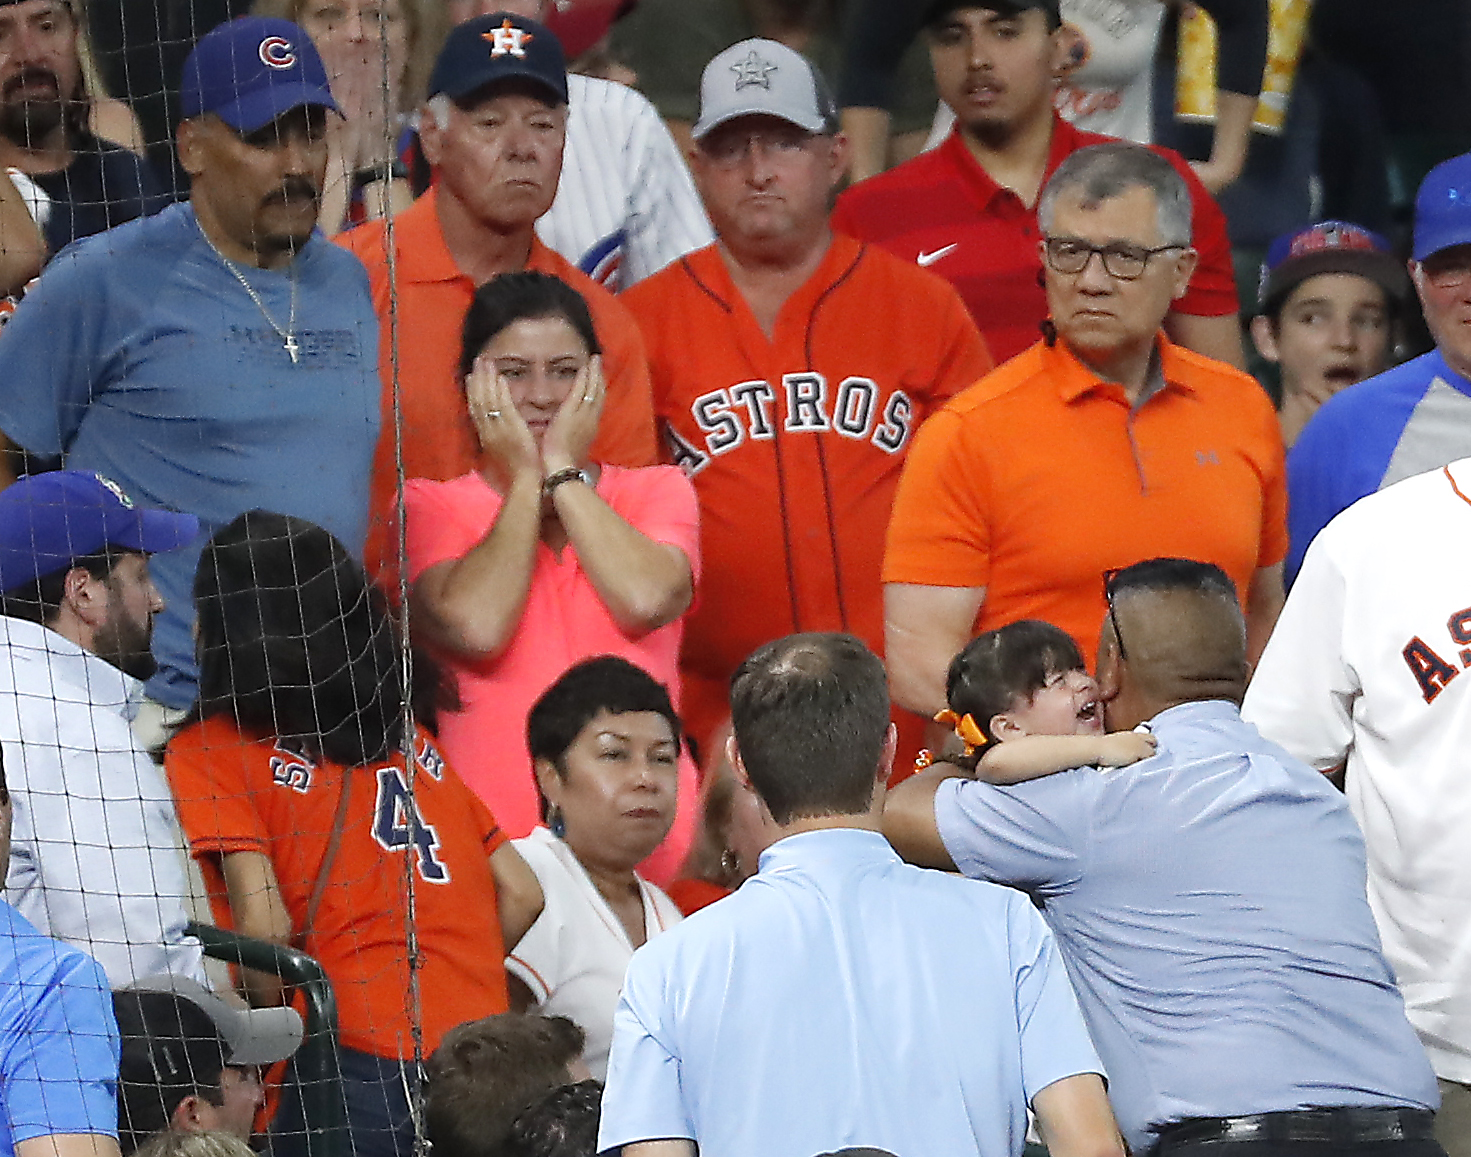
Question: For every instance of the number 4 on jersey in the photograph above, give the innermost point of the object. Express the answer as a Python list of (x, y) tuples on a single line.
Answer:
[(397, 825)]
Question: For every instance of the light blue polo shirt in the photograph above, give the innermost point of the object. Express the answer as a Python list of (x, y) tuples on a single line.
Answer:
[(1210, 905), (139, 355), (58, 1039), (1413, 418), (843, 998)]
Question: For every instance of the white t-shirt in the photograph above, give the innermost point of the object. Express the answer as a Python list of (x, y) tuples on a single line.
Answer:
[(574, 956), (1367, 661)]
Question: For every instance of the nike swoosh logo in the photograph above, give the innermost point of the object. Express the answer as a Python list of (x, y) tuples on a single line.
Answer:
[(935, 254)]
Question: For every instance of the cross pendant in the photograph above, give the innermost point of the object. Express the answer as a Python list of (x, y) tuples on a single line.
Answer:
[(292, 347)]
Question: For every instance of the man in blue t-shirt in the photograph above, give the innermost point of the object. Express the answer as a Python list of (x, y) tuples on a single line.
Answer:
[(220, 356), (1415, 417), (58, 1039)]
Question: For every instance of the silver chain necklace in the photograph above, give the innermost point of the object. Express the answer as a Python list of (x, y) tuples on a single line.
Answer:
[(287, 335)]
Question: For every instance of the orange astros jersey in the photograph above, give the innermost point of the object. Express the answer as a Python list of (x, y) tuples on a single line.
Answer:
[(795, 443)]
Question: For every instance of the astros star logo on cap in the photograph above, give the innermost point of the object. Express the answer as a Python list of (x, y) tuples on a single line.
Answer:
[(752, 70), (507, 39)]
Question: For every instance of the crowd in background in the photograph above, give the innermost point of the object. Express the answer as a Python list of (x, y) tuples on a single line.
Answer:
[(425, 423)]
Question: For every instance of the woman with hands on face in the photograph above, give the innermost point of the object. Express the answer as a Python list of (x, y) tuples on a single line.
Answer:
[(541, 557)]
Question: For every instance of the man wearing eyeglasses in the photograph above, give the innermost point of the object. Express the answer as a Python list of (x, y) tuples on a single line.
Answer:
[(790, 369), (1415, 417), (1102, 445)]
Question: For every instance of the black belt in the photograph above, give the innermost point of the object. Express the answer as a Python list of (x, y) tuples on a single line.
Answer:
[(1340, 1126)]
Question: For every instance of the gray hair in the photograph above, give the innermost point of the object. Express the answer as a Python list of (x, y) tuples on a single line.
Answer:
[(1099, 172), (439, 107)]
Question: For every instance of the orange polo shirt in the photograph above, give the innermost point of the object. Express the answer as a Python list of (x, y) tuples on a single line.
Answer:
[(1041, 476), (439, 439)]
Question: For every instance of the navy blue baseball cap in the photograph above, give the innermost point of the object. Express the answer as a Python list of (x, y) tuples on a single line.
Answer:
[(501, 46), (1329, 247), (252, 70), (1443, 207), (48, 521)]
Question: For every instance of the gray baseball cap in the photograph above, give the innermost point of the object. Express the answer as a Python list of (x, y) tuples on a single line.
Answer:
[(764, 78), (251, 1036)]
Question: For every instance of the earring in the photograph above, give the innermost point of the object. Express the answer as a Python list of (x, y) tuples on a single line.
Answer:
[(556, 823), (730, 865)]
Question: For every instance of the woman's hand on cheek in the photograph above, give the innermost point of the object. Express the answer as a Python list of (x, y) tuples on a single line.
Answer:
[(570, 436), (504, 436)]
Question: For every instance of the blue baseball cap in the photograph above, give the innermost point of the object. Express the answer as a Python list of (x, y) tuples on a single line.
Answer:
[(1329, 247), (251, 70), (48, 521), (501, 46), (1443, 207)]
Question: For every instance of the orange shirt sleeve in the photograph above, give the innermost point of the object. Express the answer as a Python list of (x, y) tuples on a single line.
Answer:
[(626, 430), (939, 532), (207, 770), (964, 356), (1274, 496)]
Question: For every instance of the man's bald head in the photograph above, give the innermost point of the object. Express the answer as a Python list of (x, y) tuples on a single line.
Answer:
[(1175, 635)]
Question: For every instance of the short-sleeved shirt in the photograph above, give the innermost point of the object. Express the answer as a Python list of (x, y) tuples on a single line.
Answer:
[(669, 42), (431, 296), (244, 793), (1368, 663), (1407, 420), (574, 957), (943, 211), (59, 1044), (795, 443), (138, 354), (95, 856), (1041, 477), (564, 620), (1210, 904), (843, 998), (104, 186)]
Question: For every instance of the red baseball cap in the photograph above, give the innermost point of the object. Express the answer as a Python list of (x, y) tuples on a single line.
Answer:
[(579, 24)]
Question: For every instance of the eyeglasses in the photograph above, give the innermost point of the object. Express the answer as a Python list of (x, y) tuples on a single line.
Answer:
[(1120, 259), (1110, 577), (1448, 269), (730, 148)]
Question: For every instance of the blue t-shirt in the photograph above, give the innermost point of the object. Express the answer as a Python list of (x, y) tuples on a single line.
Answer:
[(1210, 902), (139, 355), (58, 1039), (1413, 418), (842, 998)]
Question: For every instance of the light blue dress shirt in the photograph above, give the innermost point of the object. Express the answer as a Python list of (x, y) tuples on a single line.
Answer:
[(1211, 906), (842, 998)]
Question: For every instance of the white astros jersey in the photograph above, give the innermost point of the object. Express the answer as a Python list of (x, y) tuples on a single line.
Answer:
[(1371, 659), (625, 206)]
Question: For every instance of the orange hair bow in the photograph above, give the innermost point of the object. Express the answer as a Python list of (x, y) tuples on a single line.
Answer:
[(965, 727)]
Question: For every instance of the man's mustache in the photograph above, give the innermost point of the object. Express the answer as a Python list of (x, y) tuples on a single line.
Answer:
[(295, 188), (31, 74)]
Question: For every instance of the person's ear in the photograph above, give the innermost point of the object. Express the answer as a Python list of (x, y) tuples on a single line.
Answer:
[(194, 1114), (886, 756), (431, 136), (737, 764), (85, 596), (550, 780), (838, 159), (189, 142), (1185, 263), (1109, 677), (1264, 337), (1003, 726)]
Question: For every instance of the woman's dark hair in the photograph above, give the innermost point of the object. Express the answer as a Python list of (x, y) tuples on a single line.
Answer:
[(513, 297), (295, 642), (1012, 662), (606, 683)]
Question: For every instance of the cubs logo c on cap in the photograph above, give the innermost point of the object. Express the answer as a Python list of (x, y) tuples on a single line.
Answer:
[(276, 52)]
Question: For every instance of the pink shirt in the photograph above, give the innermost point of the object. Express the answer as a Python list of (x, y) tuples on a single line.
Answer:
[(564, 621)]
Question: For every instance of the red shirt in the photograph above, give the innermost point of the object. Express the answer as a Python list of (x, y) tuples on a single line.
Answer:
[(943, 211)]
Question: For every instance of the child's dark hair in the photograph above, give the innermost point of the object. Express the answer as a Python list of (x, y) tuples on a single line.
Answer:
[(1012, 662)]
